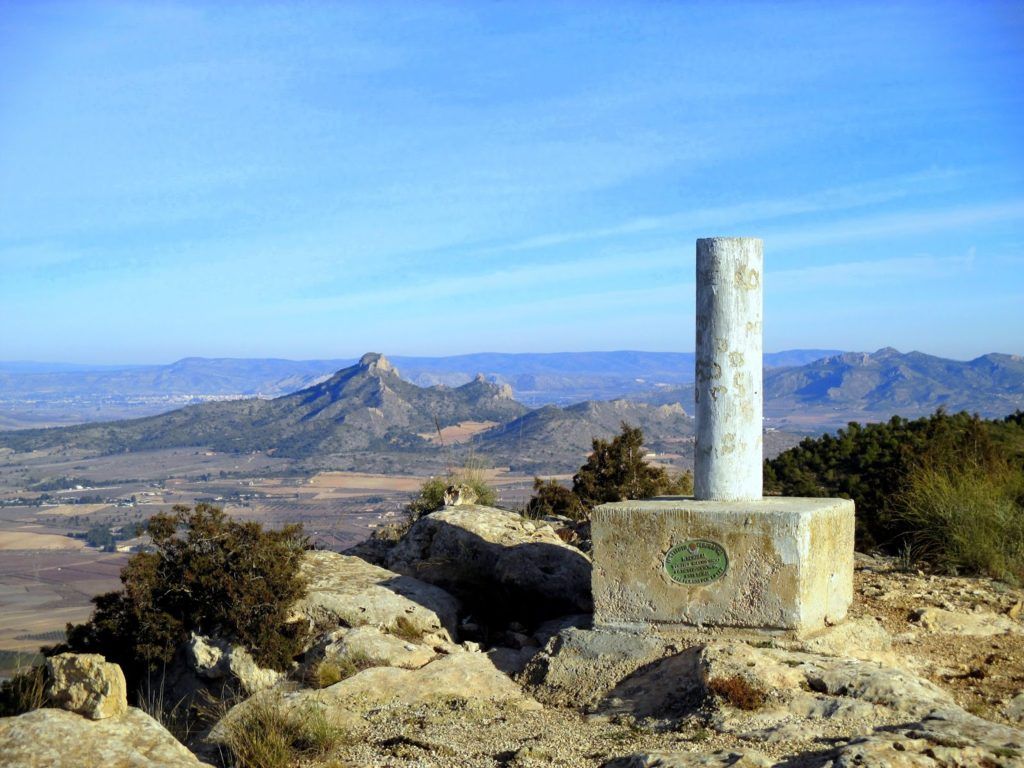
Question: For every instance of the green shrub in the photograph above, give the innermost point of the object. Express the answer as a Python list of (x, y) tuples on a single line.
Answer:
[(204, 573), (615, 470), (552, 498), (431, 494), (966, 520), (872, 464)]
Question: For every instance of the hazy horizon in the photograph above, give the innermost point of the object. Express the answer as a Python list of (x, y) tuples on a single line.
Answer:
[(309, 181), (397, 355)]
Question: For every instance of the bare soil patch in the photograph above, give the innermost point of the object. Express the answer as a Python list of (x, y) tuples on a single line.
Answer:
[(32, 540)]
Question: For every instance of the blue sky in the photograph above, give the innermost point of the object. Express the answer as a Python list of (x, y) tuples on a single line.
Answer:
[(318, 180)]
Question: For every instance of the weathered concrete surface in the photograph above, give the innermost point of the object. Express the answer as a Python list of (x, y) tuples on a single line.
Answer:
[(790, 563), (728, 451)]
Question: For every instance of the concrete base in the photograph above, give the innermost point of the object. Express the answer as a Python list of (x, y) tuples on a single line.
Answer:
[(775, 564)]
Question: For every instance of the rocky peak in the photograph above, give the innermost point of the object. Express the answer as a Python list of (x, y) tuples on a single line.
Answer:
[(375, 362)]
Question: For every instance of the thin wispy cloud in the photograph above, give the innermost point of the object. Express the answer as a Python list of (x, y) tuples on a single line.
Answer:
[(196, 178)]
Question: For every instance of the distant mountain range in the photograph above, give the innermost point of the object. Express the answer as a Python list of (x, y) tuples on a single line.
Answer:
[(366, 416), (53, 394), (857, 386)]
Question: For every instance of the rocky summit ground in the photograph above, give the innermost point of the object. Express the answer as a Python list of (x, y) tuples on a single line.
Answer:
[(451, 650), (963, 635)]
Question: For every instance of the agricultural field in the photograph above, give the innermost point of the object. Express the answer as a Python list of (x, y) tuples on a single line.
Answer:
[(49, 501)]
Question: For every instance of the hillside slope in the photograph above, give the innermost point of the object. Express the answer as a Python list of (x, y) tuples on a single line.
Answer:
[(367, 406)]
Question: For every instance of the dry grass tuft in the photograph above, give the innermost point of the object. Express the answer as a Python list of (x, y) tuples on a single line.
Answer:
[(737, 692), (269, 735)]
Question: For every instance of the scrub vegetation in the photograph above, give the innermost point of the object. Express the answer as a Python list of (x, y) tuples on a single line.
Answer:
[(947, 490)]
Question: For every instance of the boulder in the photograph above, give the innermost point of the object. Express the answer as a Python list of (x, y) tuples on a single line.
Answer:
[(461, 676), (578, 667), (1015, 709), (216, 659), (88, 684), (371, 644), (457, 676), (347, 591), (492, 559), (944, 738), (55, 738)]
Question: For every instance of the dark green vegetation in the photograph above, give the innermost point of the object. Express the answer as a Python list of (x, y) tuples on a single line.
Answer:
[(204, 573), (948, 489), (615, 470)]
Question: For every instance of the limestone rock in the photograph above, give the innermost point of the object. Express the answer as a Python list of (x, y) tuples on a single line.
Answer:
[(216, 659), (862, 638), (944, 738), (54, 738), (465, 676), (458, 676), (484, 553), (207, 656), (980, 624), (456, 495), (721, 759), (250, 675), (347, 591), (1015, 708), (87, 684), (761, 670), (371, 643), (578, 667)]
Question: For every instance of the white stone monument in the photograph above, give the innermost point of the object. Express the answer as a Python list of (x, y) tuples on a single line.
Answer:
[(729, 557)]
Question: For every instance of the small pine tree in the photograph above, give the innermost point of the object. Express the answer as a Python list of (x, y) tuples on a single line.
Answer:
[(616, 470), (551, 498)]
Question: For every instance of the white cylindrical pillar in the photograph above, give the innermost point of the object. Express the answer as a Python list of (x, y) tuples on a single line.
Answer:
[(728, 455)]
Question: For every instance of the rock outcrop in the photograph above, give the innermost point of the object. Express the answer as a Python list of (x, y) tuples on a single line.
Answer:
[(345, 591), (87, 684), (461, 676), (372, 645), (491, 557), (56, 738), (214, 659)]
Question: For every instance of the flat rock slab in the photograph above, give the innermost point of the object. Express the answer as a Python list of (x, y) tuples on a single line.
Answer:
[(378, 647), (462, 675), (980, 624), (347, 591), (56, 738)]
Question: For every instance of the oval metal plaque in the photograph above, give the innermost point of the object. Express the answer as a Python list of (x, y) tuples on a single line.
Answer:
[(696, 561)]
